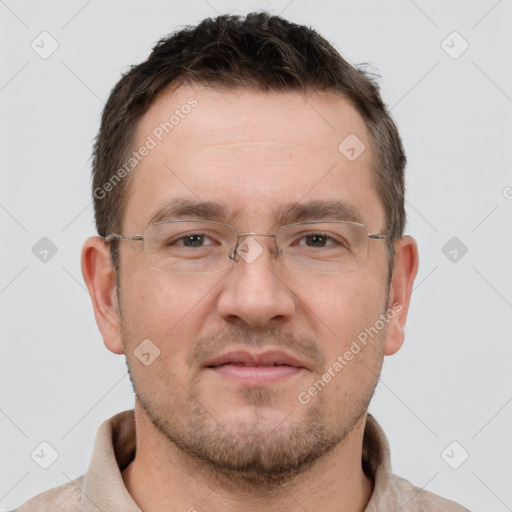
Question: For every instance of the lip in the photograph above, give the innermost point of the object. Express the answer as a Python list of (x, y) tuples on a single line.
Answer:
[(265, 359), (255, 369)]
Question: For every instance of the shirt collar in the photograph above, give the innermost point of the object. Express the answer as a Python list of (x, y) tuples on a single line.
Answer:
[(114, 449), (115, 446)]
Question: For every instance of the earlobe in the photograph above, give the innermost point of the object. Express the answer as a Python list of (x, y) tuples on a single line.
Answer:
[(99, 276), (405, 270)]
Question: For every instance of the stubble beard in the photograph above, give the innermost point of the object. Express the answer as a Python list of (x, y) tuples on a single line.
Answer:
[(255, 453)]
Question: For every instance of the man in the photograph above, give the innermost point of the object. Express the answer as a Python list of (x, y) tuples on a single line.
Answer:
[(251, 266)]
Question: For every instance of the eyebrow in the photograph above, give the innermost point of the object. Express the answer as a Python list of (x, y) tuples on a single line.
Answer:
[(320, 210), (183, 207), (179, 208)]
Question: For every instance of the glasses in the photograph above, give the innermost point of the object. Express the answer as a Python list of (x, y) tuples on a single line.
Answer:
[(204, 247)]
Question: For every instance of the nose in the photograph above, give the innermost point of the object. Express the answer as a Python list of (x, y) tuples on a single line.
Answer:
[(256, 292)]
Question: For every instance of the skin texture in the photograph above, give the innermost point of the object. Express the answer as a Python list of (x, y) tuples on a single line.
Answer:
[(205, 441)]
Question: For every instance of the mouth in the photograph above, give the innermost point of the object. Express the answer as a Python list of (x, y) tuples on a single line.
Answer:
[(256, 369)]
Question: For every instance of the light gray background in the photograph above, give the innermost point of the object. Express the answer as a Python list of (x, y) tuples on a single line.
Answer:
[(451, 380)]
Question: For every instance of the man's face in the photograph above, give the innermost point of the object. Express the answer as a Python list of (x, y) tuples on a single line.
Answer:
[(257, 154)]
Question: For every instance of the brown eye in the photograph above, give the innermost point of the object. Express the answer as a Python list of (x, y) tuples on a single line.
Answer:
[(316, 240), (193, 240)]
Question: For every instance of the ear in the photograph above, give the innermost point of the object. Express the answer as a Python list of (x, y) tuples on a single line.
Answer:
[(100, 278), (405, 270)]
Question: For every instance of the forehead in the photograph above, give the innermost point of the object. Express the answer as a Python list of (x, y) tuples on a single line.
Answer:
[(251, 151)]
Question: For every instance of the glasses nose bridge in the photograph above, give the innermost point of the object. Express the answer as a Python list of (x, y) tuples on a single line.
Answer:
[(250, 233), (234, 253)]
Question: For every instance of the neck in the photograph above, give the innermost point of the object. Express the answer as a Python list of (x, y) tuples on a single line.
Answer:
[(162, 477)]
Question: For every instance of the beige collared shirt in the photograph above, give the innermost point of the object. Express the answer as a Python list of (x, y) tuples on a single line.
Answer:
[(102, 487)]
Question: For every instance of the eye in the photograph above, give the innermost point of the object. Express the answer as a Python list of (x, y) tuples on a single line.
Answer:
[(316, 240), (319, 240), (192, 240)]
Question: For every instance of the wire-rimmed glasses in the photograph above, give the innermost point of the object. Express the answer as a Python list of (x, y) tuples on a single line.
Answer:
[(203, 247)]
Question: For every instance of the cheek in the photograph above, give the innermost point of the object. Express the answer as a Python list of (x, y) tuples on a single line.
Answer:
[(342, 298), (163, 306), (344, 309)]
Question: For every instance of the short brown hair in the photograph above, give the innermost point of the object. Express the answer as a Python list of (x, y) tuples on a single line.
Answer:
[(256, 51)]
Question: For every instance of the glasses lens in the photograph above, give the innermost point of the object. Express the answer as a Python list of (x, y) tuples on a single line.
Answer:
[(189, 247), (324, 247)]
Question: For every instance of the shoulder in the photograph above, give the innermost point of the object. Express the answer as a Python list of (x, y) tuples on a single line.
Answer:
[(414, 499), (65, 498)]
